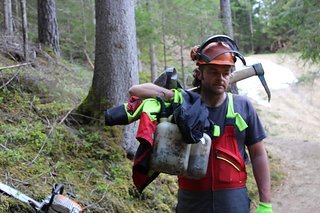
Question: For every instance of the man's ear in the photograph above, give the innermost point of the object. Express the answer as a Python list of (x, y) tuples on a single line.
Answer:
[(198, 74)]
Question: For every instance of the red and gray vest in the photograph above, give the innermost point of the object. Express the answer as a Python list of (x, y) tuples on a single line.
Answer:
[(226, 167)]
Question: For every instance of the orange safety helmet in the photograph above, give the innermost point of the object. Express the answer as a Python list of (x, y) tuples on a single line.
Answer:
[(214, 53)]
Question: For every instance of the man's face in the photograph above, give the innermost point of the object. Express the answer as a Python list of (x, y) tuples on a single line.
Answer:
[(215, 78)]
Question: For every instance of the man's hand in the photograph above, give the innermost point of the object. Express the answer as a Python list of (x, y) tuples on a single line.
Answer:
[(264, 208)]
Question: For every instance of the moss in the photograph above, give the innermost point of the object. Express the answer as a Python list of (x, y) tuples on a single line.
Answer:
[(92, 107), (11, 205)]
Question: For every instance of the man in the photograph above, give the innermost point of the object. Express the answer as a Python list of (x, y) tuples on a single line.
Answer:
[(223, 189)]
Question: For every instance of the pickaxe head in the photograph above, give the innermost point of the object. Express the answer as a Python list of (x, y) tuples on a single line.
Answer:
[(260, 73), (168, 79)]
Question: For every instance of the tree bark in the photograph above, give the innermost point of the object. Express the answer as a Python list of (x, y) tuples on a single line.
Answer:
[(153, 62), (184, 81), (24, 30), (163, 20), (8, 18), (225, 9), (152, 49), (251, 25), (47, 25), (116, 62)]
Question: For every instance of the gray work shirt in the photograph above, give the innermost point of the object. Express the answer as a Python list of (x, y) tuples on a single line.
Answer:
[(228, 200)]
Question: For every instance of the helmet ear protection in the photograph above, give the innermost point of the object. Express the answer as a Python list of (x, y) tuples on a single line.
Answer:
[(196, 52)]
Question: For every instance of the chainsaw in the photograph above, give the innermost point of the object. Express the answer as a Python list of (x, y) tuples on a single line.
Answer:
[(55, 202)]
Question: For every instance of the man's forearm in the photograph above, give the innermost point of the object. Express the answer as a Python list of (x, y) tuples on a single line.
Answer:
[(150, 90), (261, 171)]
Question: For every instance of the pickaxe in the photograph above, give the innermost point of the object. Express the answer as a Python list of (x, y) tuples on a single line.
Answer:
[(248, 71)]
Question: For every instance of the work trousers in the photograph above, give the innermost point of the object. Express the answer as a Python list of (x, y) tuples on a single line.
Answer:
[(218, 201)]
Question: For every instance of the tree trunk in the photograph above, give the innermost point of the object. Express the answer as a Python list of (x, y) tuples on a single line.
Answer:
[(15, 14), (8, 18), (152, 49), (85, 37), (24, 30), (116, 62), (47, 25), (163, 19), (251, 25), (225, 9), (153, 62), (182, 60)]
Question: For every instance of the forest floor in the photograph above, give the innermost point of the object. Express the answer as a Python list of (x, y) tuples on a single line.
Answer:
[(292, 122)]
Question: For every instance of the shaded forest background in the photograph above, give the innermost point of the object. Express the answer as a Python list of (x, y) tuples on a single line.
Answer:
[(42, 141), (260, 26)]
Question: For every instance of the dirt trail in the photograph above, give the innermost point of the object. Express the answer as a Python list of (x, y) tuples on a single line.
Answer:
[(292, 122), (301, 191)]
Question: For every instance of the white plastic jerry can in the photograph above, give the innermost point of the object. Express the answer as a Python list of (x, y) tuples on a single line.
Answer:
[(199, 158), (170, 154)]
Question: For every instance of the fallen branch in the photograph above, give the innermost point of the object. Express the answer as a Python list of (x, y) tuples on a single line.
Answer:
[(95, 204), (13, 77), (43, 144), (8, 177), (84, 116), (65, 117), (48, 136), (13, 66), (3, 146), (88, 58)]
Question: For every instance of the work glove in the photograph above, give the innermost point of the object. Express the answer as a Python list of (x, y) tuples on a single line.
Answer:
[(125, 113), (264, 208)]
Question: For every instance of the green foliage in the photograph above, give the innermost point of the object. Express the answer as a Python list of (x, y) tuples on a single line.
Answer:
[(169, 24), (292, 25), (77, 28), (289, 25)]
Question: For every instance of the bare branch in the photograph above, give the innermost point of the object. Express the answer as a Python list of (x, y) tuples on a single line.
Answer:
[(13, 77), (43, 144), (14, 66), (88, 58), (94, 204), (3, 146), (65, 117)]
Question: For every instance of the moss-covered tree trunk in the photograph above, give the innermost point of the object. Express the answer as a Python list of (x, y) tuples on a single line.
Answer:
[(116, 62)]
